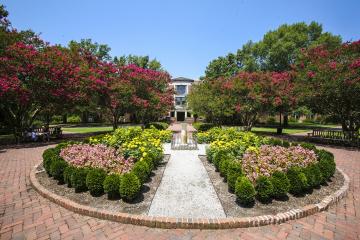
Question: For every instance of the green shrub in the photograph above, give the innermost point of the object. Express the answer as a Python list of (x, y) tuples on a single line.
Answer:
[(271, 120), (307, 145), (157, 125), (129, 186), (78, 179), (218, 156), (74, 119), (234, 171), (223, 166), (326, 164), (286, 144), (245, 191), (264, 189), (56, 119), (112, 185), (275, 142), (313, 175), (150, 164), (281, 184), (67, 174), (141, 170), (298, 181), (202, 127), (94, 181), (48, 156), (57, 168)]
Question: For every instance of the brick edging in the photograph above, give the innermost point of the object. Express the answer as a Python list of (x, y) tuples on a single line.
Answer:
[(192, 223)]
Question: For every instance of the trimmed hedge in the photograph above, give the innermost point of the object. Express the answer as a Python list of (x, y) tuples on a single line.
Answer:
[(150, 164), (264, 189), (129, 186), (234, 171), (78, 179), (245, 191), (67, 174), (112, 185), (307, 145), (326, 164), (313, 175), (281, 184), (57, 169), (223, 167), (298, 181), (94, 181), (142, 171), (48, 156), (157, 125), (203, 127)]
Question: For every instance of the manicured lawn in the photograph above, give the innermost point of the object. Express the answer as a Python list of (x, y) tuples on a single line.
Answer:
[(87, 129), (273, 130), (313, 125)]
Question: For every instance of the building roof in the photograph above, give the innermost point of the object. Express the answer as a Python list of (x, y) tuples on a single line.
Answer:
[(182, 79)]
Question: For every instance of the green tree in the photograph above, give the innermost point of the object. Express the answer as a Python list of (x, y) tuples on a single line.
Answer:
[(140, 61), (86, 46), (277, 52)]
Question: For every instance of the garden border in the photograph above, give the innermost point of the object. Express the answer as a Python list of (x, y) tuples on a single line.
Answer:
[(192, 223)]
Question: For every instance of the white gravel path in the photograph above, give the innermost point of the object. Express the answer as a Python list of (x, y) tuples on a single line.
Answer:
[(185, 189)]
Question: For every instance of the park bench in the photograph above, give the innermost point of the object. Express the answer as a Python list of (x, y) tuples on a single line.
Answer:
[(53, 132), (335, 136)]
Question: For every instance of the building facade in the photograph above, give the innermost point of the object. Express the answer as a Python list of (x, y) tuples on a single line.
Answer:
[(180, 111)]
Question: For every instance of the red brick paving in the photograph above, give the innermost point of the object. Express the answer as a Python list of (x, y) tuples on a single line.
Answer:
[(26, 215)]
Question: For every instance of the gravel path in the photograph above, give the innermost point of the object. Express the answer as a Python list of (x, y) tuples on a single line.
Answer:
[(24, 214), (186, 189)]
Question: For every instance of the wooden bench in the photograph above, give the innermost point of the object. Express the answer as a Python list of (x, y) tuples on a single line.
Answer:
[(335, 136), (53, 132)]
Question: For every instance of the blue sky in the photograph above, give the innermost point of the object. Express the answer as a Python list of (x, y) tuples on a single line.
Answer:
[(183, 35)]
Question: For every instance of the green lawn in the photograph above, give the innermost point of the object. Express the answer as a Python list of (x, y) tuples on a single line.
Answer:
[(273, 130), (87, 129), (313, 125)]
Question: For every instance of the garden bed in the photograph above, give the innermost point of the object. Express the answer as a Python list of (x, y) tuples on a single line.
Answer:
[(140, 204), (233, 208)]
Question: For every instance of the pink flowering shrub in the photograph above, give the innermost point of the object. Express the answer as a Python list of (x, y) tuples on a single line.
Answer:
[(268, 159), (98, 156)]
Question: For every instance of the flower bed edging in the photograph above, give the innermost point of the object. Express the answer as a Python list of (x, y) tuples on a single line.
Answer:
[(192, 223)]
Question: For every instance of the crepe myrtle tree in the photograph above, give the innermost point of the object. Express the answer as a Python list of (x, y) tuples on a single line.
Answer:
[(328, 81), (243, 97), (114, 92), (132, 89), (152, 96), (31, 79)]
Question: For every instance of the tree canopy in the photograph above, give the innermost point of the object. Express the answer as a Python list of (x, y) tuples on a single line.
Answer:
[(140, 61), (328, 82), (277, 51)]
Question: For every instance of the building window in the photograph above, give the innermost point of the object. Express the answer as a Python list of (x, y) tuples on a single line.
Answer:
[(172, 114), (180, 101), (180, 89), (188, 114)]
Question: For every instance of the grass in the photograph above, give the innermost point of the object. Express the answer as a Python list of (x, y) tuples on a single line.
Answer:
[(87, 129), (273, 130), (313, 125)]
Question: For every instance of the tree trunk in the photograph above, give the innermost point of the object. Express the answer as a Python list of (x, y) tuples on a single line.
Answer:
[(84, 117), (115, 121), (286, 119), (64, 118)]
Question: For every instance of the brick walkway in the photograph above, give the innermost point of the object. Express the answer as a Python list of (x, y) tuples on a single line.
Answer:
[(26, 215)]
